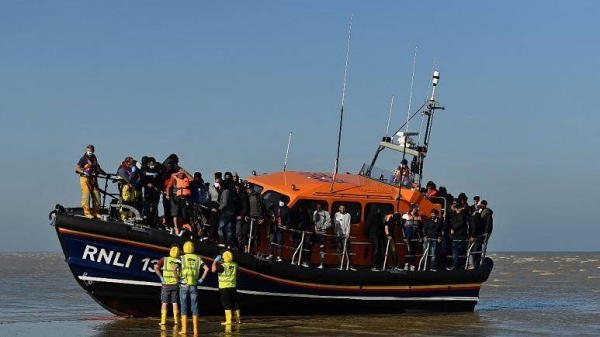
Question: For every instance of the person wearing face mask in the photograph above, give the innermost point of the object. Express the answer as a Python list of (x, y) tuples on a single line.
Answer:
[(281, 221), (88, 170), (151, 182)]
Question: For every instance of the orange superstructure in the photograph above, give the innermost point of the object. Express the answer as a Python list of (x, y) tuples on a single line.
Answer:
[(358, 193)]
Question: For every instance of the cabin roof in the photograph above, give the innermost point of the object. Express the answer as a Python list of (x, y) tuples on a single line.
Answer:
[(312, 184)]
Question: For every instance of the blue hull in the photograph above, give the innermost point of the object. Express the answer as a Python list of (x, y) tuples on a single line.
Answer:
[(114, 263)]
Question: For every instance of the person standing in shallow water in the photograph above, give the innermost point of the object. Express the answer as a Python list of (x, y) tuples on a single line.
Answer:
[(167, 269), (88, 170), (228, 273), (190, 278)]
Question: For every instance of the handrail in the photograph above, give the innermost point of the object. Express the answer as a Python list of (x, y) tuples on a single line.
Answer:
[(469, 252), (445, 203), (299, 248)]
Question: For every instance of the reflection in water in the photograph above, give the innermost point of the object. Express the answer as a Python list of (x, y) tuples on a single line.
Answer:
[(527, 294), (466, 324)]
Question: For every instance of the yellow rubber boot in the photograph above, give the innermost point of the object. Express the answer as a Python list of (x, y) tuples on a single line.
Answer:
[(87, 212), (96, 212), (238, 319), (183, 330), (227, 318), (176, 316), (163, 317), (195, 323)]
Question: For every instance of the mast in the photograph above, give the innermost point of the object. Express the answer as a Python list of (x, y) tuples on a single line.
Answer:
[(337, 157), (418, 151), (287, 151), (432, 105)]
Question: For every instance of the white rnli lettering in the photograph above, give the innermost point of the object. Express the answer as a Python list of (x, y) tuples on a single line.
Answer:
[(89, 252), (106, 256)]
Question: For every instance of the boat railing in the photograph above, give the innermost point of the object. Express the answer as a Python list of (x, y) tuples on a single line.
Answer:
[(299, 249), (251, 235), (428, 254), (472, 251), (442, 201), (137, 216)]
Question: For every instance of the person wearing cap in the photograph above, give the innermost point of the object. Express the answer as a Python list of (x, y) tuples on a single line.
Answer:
[(236, 178), (483, 229), (432, 236), (228, 274), (167, 268), (486, 218), (88, 170), (459, 231)]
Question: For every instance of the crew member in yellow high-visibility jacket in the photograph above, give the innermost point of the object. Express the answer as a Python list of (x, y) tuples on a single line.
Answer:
[(189, 280), (228, 273), (167, 269)]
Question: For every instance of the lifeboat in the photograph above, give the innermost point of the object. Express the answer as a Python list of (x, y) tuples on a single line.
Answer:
[(113, 260)]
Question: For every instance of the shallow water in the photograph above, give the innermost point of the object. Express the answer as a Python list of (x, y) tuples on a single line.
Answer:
[(528, 294)]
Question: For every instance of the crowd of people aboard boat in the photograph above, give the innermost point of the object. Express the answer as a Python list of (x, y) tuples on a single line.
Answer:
[(230, 211)]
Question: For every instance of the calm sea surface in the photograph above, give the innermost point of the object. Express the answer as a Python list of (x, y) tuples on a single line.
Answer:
[(528, 294)]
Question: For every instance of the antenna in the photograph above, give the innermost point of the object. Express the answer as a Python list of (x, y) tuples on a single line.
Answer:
[(337, 157), (287, 151), (387, 128), (412, 81)]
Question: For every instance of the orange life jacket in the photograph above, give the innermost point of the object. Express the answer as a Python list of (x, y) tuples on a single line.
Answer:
[(182, 187)]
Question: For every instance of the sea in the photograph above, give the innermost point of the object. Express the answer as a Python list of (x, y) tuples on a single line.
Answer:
[(527, 294)]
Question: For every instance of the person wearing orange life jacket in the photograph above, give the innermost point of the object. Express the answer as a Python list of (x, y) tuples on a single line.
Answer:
[(178, 192), (88, 170)]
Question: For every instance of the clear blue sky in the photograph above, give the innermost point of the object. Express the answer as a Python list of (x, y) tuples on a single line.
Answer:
[(222, 83)]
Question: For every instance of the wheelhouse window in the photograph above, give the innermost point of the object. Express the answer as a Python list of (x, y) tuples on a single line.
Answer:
[(310, 205), (271, 198), (384, 209), (257, 188), (352, 208)]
